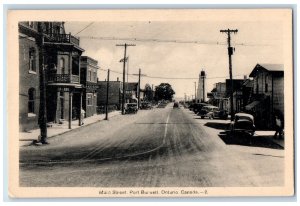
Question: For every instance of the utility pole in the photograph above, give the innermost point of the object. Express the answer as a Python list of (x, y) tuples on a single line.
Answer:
[(124, 64), (195, 93), (107, 92), (139, 85), (139, 92), (43, 108), (230, 52)]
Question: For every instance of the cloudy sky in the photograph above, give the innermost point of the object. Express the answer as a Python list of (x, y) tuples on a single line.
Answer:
[(179, 49)]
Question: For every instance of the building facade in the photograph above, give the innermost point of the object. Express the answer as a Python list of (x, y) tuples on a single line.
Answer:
[(29, 75), (114, 95), (267, 98), (50, 57), (88, 78)]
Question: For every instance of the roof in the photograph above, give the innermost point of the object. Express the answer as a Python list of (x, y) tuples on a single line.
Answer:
[(272, 68)]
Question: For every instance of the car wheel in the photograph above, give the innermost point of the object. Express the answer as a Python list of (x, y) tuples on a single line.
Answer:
[(202, 117)]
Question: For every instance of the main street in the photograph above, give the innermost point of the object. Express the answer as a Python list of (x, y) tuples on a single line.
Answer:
[(162, 147)]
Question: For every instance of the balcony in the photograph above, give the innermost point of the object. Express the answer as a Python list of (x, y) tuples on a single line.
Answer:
[(62, 38), (62, 78)]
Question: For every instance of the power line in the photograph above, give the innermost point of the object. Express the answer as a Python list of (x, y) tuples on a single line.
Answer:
[(84, 28), (169, 41)]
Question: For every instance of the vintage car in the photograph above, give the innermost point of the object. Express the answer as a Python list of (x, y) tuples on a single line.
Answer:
[(146, 105), (243, 124), (208, 111), (131, 108), (198, 106), (176, 105)]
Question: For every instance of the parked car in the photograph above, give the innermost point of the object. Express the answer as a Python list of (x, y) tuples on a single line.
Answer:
[(176, 105), (131, 108), (146, 105), (243, 124), (208, 111), (198, 106), (191, 107), (221, 114)]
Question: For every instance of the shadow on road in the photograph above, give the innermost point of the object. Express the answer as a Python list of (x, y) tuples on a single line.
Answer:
[(246, 140), (218, 125)]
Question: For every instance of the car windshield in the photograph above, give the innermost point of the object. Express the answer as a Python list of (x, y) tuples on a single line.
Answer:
[(131, 105)]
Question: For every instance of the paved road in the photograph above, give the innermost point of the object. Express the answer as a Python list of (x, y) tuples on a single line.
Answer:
[(163, 147)]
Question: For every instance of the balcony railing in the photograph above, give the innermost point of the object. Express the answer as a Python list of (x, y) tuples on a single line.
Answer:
[(62, 38), (75, 79), (62, 78)]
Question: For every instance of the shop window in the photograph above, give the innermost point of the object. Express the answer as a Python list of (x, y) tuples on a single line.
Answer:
[(31, 98), (89, 99)]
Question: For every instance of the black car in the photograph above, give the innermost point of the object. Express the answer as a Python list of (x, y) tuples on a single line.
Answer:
[(198, 106), (243, 124), (176, 105)]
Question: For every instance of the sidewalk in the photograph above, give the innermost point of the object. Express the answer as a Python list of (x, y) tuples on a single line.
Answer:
[(26, 138), (270, 134)]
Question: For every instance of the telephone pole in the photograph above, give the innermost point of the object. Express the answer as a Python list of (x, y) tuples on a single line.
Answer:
[(139, 92), (139, 86), (230, 52), (195, 93), (124, 64), (43, 108), (107, 92)]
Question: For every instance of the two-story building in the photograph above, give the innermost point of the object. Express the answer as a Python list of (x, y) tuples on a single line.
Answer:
[(267, 98), (88, 78), (29, 75), (46, 49)]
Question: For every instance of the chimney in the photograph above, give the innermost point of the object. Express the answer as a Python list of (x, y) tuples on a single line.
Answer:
[(117, 79), (245, 77)]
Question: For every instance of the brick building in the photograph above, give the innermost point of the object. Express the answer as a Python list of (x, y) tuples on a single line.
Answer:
[(46, 48), (29, 90), (88, 78)]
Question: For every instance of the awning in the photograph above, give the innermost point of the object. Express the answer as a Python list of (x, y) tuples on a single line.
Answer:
[(252, 105)]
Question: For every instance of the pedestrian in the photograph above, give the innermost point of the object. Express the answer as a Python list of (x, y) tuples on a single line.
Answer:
[(278, 127), (82, 113)]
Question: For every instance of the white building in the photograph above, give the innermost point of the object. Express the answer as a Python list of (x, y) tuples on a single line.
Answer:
[(201, 91)]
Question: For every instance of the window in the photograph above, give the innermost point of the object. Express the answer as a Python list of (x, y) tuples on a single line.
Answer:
[(266, 83), (62, 65), (90, 75), (95, 76), (32, 60), (31, 98), (89, 99), (30, 23)]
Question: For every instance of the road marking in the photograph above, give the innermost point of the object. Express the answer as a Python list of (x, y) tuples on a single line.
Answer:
[(166, 128)]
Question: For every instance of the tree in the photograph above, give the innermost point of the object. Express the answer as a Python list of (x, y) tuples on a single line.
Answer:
[(148, 93), (164, 91)]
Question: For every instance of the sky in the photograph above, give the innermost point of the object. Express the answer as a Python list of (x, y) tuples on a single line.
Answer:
[(199, 46)]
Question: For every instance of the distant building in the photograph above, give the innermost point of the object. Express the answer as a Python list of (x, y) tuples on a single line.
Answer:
[(267, 97), (131, 89), (114, 96), (217, 96), (237, 94), (88, 78)]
